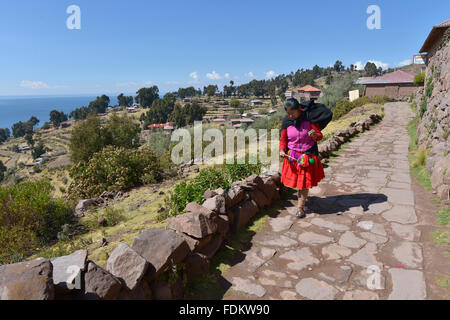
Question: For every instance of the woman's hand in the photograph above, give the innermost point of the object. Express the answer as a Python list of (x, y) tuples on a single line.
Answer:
[(313, 134), (282, 154)]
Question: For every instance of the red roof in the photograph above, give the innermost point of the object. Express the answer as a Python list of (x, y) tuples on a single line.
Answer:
[(399, 76), (309, 88)]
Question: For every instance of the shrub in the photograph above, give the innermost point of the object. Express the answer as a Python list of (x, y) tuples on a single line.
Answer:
[(114, 168), (29, 218), (344, 107), (208, 179), (430, 87), (419, 79), (113, 216), (423, 108)]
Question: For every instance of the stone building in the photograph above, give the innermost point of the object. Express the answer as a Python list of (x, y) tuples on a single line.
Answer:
[(305, 93), (434, 39)]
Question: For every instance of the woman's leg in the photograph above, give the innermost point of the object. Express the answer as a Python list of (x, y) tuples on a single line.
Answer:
[(302, 196)]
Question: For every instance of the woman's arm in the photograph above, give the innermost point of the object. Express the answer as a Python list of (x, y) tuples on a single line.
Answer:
[(316, 128), (283, 140)]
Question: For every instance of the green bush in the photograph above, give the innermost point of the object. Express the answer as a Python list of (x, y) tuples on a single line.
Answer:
[(29, 218), (344, 107), (423, 108), (114, 168), (419, 79), (208, 179), (430, 87)]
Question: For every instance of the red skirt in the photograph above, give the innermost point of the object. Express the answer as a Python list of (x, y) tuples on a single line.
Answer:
[(294, 176)]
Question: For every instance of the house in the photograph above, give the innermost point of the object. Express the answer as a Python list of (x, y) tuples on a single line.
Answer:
[(398, 85), (64, 125), (272, 111), (164, 126), (219, 120), (24, 148), (305, 93), (434, 39), (256, 102)]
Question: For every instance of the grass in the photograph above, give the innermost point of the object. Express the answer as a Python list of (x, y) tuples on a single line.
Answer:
[(443, 282), (440, 237), (417, 157)]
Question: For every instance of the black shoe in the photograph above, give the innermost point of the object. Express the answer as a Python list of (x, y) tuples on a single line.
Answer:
[(300, 214)]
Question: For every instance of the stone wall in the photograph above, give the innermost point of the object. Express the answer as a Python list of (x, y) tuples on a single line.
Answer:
[(433, 128), (161, 261)]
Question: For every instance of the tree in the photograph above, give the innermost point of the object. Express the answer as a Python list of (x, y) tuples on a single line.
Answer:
[(235, 104), (39, 150), (146, 96), (90, 136), (29, 139), (99, 105), (338, 66), (273, 100), (124, 101), (210, 90), (2, 171), (371, 69), (160, 110), (57, 117), (4, 134), (34, 120)]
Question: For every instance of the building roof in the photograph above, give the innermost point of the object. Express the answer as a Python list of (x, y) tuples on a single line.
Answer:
[(398, 76), (434, 35), (309, 88)]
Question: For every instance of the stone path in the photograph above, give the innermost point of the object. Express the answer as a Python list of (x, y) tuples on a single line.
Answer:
[(361, 240)]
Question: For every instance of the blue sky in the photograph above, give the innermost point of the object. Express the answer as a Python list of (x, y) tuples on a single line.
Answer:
[(125, 45)]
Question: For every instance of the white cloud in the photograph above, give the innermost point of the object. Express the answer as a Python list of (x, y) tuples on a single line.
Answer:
[(34, 84), (271, 74), (213, 75), (383, 65), (194, 75), (404, 63), (250, 75), (358, 65), (227, 76)]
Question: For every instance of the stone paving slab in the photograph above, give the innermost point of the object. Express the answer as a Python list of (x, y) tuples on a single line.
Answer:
[(360, 241)]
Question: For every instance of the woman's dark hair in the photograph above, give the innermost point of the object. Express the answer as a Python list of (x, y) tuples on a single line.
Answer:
[(291, 103)]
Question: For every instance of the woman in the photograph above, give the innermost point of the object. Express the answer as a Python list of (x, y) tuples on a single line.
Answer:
[(299, 137)]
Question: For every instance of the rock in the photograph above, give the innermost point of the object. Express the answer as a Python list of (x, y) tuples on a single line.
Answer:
[(100, 284), (360, 295), (127, 265), (315, 290), (258, 256), (196, 208), (63, 268), (281, 224), (142, 291), (270, 189), (349, 240), (160, 248), (335, 251), (234, 196), (335, 274), (314, 238), (329, 224), (374, 237), (407, 285), (401, 214), (210, 249), (102, 221), (247, 286), (409, 233), (275, 240), (260, 199), (223, 224), (209, 194), (242, 213), (195, 224), (196, 244), (162, 290), (365, 257), (216, 204), (301, 258), (29, 280), (197, 265), (83, 206), (256, 181), (409, 254)]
